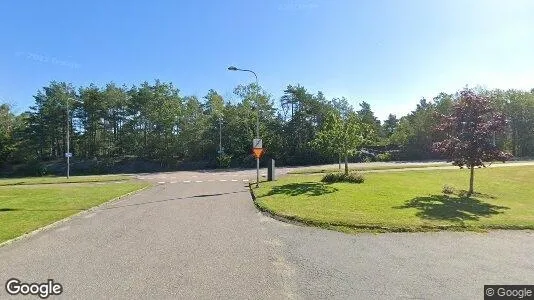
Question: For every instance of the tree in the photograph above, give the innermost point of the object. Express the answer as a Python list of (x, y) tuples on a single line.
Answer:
[(390, 125), (469, 132), (367, 116), (7, 120), (48, 120), (303, 115), (342, 136), (413, 132)]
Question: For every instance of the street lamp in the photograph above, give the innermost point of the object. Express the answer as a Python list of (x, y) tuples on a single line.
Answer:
[(232, 68), (220, 137), (68, 154)]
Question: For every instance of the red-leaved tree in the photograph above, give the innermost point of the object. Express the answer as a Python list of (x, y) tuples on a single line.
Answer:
[(470, 133)]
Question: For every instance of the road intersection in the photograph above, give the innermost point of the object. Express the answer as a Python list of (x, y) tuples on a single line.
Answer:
[(207, 240)]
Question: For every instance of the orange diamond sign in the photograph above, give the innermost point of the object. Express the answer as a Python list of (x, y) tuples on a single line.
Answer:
[(258, 152)]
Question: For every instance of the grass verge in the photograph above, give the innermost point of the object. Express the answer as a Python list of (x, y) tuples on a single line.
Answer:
[(406, 201), (56, 180), (24, 208), (368, 168)]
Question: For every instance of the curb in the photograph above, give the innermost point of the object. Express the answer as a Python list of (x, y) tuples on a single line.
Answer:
[(58, 222), (271, 215)]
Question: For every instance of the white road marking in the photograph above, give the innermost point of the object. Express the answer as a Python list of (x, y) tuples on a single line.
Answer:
[(161, 181), (173, 181), (198, 181), (245, 180), (222, 180), (187, 181), (234, 179)]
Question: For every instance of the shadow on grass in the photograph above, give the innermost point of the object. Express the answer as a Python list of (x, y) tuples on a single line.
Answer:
[(7, 209), (302, 188), (443, 207), (464, 193)]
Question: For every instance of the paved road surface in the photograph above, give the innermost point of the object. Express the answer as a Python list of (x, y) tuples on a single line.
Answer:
[(250, 174), (206, 240)]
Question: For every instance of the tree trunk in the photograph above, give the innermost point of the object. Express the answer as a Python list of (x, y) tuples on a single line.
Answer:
[(339, 162), (346, 165), (471, 179)]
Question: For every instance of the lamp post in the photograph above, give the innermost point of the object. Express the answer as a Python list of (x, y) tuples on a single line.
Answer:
[(68, 141), (220, 136), (232, 68), (68, 154)]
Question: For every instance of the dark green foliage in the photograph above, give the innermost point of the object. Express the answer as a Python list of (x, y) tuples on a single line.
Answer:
[(386, 156), (353, 177), (153, 122), (33, 168), (224, 160), (447, 190)]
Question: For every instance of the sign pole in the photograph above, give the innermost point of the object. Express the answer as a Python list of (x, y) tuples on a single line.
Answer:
[(257, 137), (257, 150), (257, 172)]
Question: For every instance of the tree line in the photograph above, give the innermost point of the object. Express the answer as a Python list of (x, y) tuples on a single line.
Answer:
[(153, 121)]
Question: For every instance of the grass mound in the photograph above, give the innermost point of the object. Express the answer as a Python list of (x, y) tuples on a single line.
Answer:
[(406, 201)]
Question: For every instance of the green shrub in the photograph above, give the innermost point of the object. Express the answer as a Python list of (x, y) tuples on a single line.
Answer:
[(224, 160), (386, 156), (447, 190), (353, 177), (367, 159), (34, 168)]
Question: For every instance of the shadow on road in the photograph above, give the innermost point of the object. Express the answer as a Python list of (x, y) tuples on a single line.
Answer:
[(122, 206), (452, 208), (302, 188)]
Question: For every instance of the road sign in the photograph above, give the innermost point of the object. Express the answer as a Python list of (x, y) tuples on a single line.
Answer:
[(257, 143), (258, 152), (68, 154)]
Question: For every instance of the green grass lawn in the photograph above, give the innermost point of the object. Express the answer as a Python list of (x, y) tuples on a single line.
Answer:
[(24, 208), (54, 179), (406, 201), (368, 168)]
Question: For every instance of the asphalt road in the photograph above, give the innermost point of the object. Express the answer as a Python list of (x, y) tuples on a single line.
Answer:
[(198, 235)]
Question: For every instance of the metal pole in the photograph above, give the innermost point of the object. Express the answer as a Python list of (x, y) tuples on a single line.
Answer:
[(68, 141), (257, 133), (257, 121), (220, 137)]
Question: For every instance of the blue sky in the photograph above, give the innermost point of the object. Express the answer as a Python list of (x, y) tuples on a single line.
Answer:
[(388, 53)]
